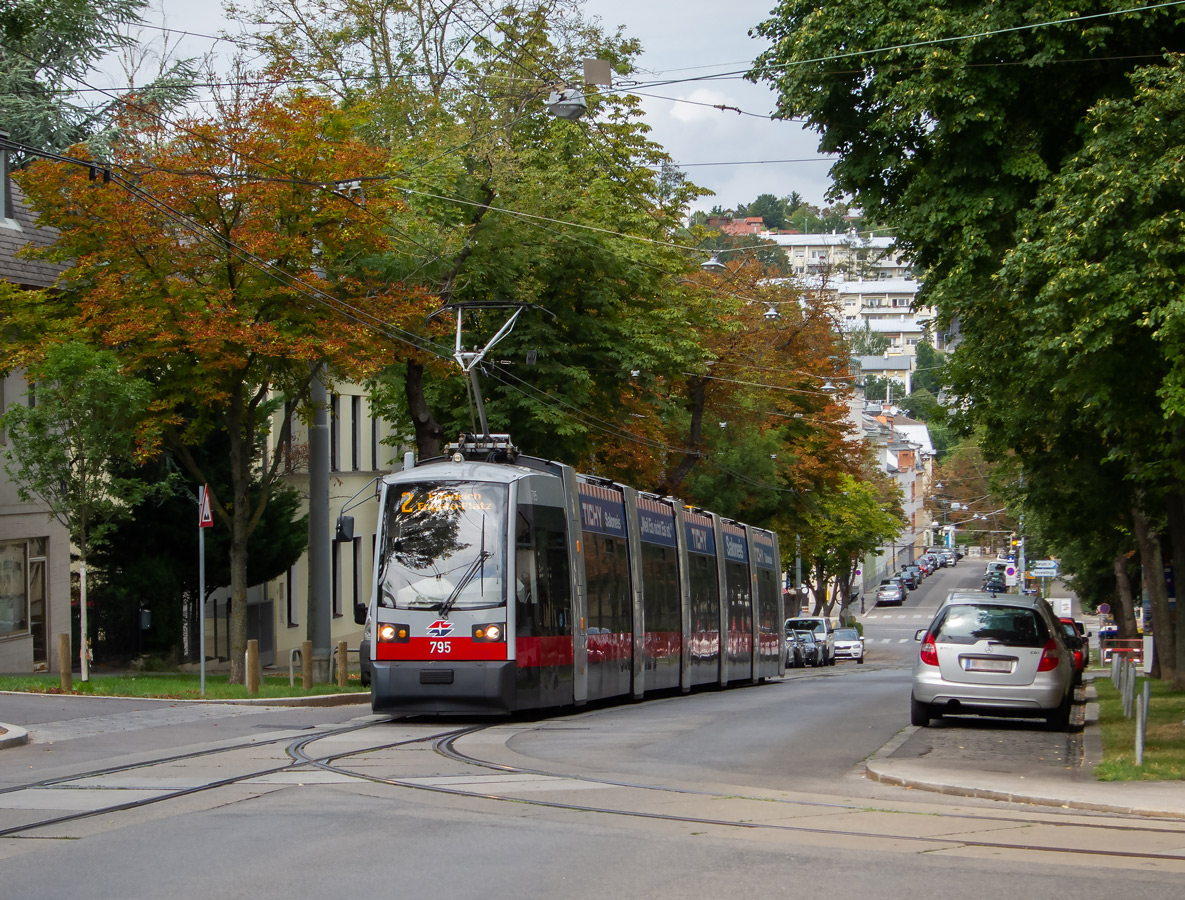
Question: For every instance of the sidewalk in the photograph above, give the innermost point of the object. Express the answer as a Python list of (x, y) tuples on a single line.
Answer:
[(1023, 768)]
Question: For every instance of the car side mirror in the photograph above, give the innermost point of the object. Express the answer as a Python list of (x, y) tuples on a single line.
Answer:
[(919, 634), (360, 610), (345, 530)]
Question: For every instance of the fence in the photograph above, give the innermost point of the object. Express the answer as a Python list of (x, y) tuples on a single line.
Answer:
[(1127, 648), (1123, 676)]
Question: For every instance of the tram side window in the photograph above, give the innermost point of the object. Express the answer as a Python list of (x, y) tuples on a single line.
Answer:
[(767, 601), (542, 588), (607, 575), (740, 604), (705, 607), (660, 588)]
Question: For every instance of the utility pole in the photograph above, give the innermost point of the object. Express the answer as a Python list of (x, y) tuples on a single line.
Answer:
[(320, 601)]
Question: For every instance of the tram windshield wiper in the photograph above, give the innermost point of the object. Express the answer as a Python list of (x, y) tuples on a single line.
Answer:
[(478, 565)]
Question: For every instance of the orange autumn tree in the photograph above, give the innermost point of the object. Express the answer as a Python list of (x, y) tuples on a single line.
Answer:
[(753, 427), (223, 264)]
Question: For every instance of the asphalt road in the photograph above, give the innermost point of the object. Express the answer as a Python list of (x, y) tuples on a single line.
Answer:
[(739, 793)]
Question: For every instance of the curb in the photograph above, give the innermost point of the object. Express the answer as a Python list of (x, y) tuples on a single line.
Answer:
[(12, 736), (874, 773)]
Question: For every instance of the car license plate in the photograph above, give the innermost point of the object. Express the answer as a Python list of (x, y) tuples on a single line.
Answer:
[(981, 664)]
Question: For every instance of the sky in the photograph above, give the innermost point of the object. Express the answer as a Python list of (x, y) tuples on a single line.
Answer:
[(736, 155)]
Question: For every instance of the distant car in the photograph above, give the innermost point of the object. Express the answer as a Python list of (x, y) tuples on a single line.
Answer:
[(999, 656), (812, 648), (917, 571), (849, 644), (911, 578), (823, 630), (890, 594), (995, 583), (1077, 644)]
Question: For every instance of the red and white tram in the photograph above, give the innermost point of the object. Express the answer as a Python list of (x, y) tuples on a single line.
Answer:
[(506, 582)]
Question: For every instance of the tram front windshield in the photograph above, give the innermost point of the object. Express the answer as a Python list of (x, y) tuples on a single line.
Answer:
[(444, 546)]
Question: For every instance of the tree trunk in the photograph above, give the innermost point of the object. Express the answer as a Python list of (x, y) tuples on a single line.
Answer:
[(695, 405), (1165, 655), (1125, 613), (241, 460), (1175, 508), (429, 434)]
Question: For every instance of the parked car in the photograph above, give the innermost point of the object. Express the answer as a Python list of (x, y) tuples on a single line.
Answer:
[(918, 572), (1076, 643), (823, 630), (910, 578), (999, 656), (995, 583), (849, 644), (812, 648), (889, 594)]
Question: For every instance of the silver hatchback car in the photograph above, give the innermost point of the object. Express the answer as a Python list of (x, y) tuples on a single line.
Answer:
[(993, 656)]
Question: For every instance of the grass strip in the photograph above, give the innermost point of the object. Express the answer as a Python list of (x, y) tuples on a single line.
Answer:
[(171, 686), (1164, 740)]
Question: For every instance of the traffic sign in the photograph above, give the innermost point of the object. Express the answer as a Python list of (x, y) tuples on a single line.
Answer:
[(1043, 568), (205, 519), (1104, 608)]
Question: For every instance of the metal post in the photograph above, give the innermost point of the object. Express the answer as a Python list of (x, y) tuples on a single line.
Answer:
[(319, 597), (797, 574), (84, 653), (201, 602)]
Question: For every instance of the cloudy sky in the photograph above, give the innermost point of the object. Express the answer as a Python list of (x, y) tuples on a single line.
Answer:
[(736, 155)]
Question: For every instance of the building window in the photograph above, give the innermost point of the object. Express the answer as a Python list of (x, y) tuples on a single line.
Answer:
[(291, 600), (375, 460), (14, 588), (334, 432), (357, 567), (335, 579), (355, 432)]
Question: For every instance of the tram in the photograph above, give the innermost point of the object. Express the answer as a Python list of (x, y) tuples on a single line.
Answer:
[(504, 582)]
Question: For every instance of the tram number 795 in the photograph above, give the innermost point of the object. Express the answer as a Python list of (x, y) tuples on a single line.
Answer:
[(440, 647)]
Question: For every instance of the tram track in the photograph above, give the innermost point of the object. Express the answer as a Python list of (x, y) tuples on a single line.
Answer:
[(295, 750), (954, 837)]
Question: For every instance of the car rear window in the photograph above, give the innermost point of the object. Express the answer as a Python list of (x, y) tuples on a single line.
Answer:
[(1013, 625)]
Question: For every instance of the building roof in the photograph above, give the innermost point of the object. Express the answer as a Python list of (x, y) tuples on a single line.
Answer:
[(18, 229)]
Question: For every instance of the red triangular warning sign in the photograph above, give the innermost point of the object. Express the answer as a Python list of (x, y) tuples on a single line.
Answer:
[(205, 520)]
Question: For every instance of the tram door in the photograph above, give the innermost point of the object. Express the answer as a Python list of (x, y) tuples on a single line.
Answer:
[(607, 589), (543, 626), (703, 645)]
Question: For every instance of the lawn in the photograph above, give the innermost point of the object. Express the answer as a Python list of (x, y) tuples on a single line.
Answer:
[(172, 686), (1164, 741)]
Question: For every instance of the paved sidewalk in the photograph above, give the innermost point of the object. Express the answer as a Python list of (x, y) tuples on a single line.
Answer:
[(1020, 765)]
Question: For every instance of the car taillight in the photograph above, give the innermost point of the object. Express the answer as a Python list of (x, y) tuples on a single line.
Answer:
[(929, 651), (1049, 657)]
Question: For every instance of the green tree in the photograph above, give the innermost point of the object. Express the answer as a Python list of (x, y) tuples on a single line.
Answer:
[(68, 447), (48, 46), (771, 209), (843, 525), (866, 342)]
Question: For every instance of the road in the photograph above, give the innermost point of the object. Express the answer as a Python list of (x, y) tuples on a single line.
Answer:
[(746, 792)]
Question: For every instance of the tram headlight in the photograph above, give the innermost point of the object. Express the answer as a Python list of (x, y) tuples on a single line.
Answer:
[(393, 634), (492, 633)]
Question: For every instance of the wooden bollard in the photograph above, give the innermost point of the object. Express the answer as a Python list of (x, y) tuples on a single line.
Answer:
[(65, 664), (252, 667), (306, 665), (343, 664)]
